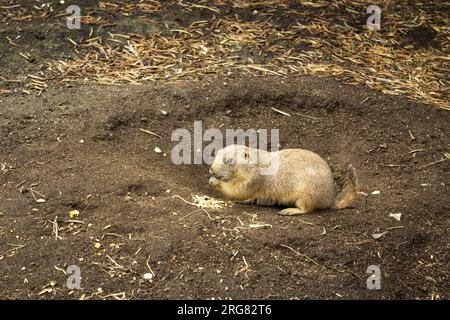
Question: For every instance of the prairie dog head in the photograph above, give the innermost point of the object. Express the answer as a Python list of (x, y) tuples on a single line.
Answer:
[(234, 163)]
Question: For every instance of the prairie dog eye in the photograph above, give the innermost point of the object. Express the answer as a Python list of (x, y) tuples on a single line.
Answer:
[(228, 161)]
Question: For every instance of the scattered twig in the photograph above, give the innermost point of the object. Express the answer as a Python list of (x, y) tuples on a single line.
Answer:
[(281, 112), (148, 266), (433, 163), (150, 132), (299, 254), (306, 116), (56, 228)]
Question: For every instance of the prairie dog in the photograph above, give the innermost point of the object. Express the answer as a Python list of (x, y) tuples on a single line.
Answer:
[(303, 181)]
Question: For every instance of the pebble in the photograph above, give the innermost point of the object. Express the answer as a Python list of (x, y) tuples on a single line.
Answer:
[(148, 276)]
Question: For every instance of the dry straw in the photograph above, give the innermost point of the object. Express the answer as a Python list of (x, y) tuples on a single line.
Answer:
[(277, 38)]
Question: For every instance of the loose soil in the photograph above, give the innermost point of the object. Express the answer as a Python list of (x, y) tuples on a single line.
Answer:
[(81, 148)]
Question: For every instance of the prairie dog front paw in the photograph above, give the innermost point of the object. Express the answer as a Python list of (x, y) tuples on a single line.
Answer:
[(213, 181)]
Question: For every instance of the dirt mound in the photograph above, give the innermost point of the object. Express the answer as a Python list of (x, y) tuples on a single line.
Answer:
[(81, 148)]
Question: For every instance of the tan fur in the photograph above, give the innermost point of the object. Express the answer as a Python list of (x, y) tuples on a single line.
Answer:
[(303, 181), (350, 185)]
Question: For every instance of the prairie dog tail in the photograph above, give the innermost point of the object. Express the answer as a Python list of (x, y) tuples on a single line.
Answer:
[(349, 189)]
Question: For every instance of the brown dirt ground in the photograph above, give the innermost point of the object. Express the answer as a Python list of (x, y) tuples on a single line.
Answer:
[(121, 186)]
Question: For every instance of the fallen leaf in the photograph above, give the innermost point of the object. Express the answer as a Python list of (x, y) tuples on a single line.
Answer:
[(378, 235)]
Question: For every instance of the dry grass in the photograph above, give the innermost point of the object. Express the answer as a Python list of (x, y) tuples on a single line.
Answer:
[(320, 37)]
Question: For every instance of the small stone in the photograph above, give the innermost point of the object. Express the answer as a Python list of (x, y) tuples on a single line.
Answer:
[(396, 216), (158, 150), (74, 213), (148, 276)]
